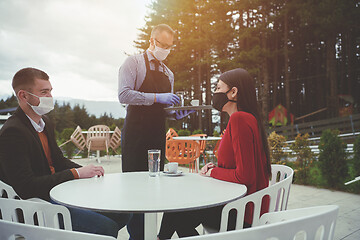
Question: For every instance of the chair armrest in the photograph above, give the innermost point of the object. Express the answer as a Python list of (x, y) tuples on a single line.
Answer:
[(39, 200)]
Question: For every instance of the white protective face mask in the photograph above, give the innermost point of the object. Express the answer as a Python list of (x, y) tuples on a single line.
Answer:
[(160, 53), (46, 105)]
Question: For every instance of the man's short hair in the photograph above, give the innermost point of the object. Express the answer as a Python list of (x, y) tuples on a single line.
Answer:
[(25, 78), (160, 28)]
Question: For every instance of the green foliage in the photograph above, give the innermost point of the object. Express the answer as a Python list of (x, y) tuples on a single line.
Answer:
[(10, 102), (68, 148), (63, 116), (173, 124), (112, 127), (66, 133), (356, 158), (81, 117), (277, 143), (57, 134), (184, 132), (216, 134), (214, 36), (65, 119), (304, 158), (315, 177), (203, 31), (332, 159), (197, 131), (354, 168)]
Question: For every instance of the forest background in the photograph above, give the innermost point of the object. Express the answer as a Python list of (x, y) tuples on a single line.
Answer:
[(301, 54)]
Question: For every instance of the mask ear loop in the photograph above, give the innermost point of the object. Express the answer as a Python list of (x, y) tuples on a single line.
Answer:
[(32, 94), (152, 43), (228, 98)]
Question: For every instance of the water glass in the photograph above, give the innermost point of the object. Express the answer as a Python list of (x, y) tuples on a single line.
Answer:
[(154, 162), (181, 95)]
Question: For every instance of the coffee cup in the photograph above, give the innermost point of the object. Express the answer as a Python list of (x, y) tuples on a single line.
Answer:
[(172, 167), (194, 102)]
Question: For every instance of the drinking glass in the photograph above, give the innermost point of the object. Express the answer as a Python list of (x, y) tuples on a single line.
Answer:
[(154, 162), (181, 94)]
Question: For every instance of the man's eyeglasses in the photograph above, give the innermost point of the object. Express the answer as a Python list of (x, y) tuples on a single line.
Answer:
[(164, 45)]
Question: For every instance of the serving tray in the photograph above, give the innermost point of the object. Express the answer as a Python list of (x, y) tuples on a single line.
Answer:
[(201, 107)]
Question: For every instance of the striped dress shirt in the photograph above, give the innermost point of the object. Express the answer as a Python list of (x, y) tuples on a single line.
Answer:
[(132, 75)]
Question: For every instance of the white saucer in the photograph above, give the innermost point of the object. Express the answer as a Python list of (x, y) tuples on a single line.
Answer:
[(179, 173)]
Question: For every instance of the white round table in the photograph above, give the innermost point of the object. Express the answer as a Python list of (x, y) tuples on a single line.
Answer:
[(138, 192)]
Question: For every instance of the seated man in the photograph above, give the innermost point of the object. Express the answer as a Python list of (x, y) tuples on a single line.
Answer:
[(32, 163)]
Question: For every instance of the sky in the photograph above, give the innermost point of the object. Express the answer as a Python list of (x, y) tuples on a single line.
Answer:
[(80, 44)]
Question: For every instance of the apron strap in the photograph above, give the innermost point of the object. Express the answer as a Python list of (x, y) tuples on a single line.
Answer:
[(147, 63)]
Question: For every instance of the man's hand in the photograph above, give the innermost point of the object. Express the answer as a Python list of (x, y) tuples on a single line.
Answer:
[(181, 114), (167, 98), (90, 171)]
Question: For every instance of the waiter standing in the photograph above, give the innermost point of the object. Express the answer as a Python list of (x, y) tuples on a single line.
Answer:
[(146, 85)]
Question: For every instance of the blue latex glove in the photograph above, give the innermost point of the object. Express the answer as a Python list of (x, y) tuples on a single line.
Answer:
[(167, 98), (181, 114)]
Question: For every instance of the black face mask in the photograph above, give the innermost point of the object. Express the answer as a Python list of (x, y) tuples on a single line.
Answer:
[(219, 99)]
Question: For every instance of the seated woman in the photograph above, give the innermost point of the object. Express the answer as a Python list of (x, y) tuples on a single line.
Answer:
[(243, 155)]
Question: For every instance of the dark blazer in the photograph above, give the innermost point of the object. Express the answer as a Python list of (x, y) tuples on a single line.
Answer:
[(23, 163)]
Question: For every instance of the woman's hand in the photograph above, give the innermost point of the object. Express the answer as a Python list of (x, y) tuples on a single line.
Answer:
[(208, 173), (206, 170)]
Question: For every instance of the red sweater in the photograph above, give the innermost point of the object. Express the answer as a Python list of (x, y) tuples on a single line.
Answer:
[(241, 158)]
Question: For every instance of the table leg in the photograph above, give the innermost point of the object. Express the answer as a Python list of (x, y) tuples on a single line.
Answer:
[(98, 156), (150, 226)]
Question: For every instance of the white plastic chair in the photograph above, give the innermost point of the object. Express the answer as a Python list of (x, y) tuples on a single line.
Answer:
[(304, 223), (98, 138), (6, 191), (280, 173), (115, 139), (43, 214), (278, 191), (78, 139), (10, 230)]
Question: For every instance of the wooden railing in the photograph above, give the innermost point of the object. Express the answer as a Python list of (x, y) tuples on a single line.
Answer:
[(349, 124)]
